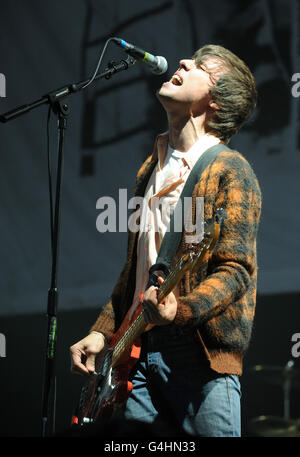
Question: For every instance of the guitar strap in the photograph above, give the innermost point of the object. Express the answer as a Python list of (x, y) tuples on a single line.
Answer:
[(172, 238)]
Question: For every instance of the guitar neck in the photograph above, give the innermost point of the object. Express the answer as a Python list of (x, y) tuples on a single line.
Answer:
[(171, 281), (128, 338), (139, 325)]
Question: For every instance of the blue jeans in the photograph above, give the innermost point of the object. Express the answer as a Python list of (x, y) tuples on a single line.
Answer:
[(174, 388)]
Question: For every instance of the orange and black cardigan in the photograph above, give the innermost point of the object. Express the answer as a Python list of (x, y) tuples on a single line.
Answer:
[(221, 305)]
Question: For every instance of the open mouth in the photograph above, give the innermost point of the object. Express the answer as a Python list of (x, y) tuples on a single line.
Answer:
[(177, 80)]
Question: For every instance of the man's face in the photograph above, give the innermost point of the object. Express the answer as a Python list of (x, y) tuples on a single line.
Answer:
[(190, 86)]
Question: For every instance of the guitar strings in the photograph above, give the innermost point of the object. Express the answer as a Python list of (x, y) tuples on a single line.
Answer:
[(132, 332), (136, 326)]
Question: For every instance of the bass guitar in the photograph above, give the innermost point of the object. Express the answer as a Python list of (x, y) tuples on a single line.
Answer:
[(108, 388)]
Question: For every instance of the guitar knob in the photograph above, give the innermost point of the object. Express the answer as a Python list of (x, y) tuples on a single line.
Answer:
[(87, 420)]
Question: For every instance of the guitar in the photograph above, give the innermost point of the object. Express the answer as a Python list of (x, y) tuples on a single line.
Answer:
[(108, 387)]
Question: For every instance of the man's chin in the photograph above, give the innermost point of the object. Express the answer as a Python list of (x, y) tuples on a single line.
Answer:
[(163, 94)]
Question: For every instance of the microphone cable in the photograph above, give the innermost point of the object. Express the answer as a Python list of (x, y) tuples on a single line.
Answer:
[(99, 63)]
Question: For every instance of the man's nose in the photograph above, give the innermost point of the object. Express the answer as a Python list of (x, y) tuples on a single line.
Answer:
[(186, 64)]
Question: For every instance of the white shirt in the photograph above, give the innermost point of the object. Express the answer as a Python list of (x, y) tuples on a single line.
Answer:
[(166, 183)]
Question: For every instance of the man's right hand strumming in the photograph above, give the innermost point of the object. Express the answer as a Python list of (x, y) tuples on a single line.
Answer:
[(83, 353)]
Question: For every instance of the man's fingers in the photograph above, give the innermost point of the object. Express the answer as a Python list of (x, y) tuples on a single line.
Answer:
[(90, 363), (76, 358), (159, 313), (160, 280), (83, 353)]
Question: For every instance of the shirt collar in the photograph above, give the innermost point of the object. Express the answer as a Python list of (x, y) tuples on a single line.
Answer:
[(191, 156)]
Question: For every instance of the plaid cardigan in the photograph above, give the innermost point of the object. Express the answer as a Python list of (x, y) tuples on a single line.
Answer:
[(220, 302)]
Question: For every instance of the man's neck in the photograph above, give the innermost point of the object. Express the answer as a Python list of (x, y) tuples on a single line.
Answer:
[(184, 133)]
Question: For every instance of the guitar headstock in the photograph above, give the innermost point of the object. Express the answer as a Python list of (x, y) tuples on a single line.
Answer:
[(195, 251)]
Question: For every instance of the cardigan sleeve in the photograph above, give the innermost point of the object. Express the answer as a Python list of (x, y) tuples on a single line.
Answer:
[(233, 262), (105, 322)]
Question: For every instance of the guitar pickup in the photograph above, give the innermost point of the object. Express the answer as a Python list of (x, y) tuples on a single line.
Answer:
[(105, 365)]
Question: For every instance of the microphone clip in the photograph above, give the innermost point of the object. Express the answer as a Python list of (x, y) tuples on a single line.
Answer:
[(114, 67)]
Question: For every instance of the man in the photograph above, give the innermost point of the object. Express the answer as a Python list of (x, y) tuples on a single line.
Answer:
[(187, 376)]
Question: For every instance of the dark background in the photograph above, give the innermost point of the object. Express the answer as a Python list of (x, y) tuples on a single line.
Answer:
[(111, 128)]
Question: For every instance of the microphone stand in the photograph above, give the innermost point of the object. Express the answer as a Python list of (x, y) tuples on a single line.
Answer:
[(287, 374), (56, 99)]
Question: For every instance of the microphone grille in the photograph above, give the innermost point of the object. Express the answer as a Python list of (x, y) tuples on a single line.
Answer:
[(162, 66)]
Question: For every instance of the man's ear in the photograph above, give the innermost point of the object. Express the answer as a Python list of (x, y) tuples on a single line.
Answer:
[(213, 105)]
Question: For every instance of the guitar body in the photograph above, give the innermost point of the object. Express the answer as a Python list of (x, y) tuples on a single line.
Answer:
[(109, 387)]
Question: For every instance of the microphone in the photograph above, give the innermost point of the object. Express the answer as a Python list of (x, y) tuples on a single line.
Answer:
[(157, 64)]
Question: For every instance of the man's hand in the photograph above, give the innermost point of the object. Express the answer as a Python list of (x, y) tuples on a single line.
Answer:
[(159, 313), (83, 353)]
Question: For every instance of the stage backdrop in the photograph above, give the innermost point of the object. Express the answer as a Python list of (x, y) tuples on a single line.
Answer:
[(112, 126)]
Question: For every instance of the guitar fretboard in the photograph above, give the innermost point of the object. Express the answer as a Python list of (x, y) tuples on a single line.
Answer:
[(128, 337), (139, 324)]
